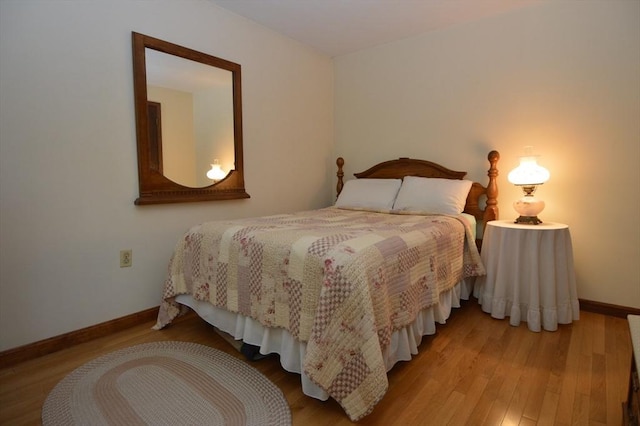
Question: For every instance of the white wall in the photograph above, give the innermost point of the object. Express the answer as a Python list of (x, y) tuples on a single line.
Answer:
[(68, 170), (561, 76)]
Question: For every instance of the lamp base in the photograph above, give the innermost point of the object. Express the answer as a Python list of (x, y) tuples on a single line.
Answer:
[(528, 220), (528, 207)]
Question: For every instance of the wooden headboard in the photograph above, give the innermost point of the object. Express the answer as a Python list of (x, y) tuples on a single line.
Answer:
[(398, 169)]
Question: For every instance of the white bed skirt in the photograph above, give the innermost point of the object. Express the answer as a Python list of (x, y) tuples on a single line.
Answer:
[(404, 342)]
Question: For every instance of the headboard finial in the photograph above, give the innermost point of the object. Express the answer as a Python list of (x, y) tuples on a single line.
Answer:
[(493, 157), (491, 210), (340, 174)]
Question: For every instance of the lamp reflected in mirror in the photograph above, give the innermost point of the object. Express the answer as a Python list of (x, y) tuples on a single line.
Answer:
[(216, 173), (528, 175)]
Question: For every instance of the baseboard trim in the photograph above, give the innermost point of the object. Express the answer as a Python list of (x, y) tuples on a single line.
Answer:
[(53, 344), (37, 349), (607, 309)]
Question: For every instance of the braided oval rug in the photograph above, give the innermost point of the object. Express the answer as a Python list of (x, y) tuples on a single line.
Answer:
[(166, 383)]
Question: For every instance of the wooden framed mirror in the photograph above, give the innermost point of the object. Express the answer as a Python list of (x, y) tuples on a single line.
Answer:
[(188, 108)]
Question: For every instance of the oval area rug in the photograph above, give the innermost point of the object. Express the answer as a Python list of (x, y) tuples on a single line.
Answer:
[(166, 383)]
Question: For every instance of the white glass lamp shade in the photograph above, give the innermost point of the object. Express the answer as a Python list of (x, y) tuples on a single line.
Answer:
[(528, 175), (216, 173)]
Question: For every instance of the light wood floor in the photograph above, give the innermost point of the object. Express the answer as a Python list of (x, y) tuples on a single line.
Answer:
[(476, 370)]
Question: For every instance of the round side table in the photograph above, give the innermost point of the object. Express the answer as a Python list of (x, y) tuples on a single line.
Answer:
[(530, 274)]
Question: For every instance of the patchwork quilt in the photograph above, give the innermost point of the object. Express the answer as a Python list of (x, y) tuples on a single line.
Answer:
[(340, 280)]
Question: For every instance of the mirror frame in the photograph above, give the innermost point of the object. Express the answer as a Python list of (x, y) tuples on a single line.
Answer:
[(154, 187)]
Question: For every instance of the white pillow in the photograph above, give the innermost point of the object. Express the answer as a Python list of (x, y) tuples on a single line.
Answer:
[(432, 195), (377, 194)]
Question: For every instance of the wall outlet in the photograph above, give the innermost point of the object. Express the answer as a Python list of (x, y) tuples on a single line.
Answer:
[(126, 258)]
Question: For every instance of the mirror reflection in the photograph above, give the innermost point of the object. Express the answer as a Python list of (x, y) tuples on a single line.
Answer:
[(188, 123), (191, 117)]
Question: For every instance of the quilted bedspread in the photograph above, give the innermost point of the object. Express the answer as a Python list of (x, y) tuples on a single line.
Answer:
[(340, 280)]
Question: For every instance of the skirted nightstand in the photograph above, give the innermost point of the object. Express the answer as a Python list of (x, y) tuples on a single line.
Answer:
[(530, 275)]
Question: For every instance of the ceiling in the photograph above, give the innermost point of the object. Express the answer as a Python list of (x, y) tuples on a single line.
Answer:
[(338, 27)]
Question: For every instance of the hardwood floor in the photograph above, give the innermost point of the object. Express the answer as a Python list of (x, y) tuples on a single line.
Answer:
[(475, 371)]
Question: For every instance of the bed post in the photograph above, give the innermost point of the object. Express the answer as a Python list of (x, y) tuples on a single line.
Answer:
[(491, 211), (340, 174)]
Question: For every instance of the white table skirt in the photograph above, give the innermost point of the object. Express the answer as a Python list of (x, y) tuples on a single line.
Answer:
[(530, 275)]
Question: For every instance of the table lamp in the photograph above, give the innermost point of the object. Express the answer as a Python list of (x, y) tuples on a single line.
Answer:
[(216, 173), (528, 175)]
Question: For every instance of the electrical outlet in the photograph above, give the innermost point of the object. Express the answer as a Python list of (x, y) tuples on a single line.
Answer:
[(126, 258)]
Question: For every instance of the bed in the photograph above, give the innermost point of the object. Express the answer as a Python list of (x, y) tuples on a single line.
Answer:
[(345, 292)]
